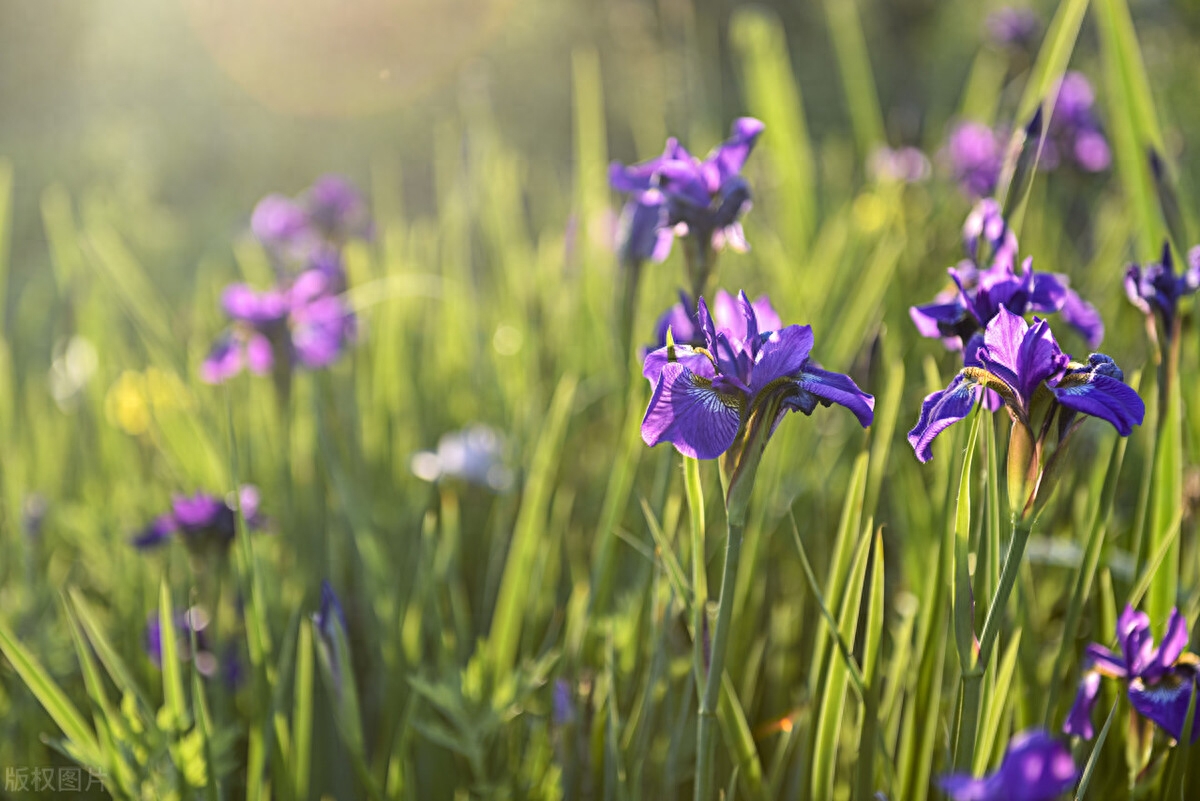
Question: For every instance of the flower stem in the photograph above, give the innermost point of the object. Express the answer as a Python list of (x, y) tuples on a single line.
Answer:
[(706, 728), (972, 680)]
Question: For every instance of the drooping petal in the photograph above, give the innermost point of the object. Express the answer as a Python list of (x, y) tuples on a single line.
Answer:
[(641, 227), (1083, 317), (781, 354), (939, 411), (1166, 701), (686, 411), (935, 319), (633, 178), (1106, 398), (832, 387), (1079, 719)]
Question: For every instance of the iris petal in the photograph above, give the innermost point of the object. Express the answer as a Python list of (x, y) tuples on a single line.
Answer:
[(939, 411), (688, 413), (837, 388), (1107, 398)]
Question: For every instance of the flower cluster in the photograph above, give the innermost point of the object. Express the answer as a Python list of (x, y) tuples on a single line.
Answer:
[(678, 194), (203, 521), (1159, 681), (979, 291), (705, 395), (302, 321), (1036, 767)]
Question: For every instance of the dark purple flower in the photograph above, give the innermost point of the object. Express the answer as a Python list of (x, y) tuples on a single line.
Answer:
[(1036, 767), (1159, 681), (203, 519), (956, 314), (1013, 27), (1156, 289), (704, 199), (703, 397), (1016, 360), (976, 155)]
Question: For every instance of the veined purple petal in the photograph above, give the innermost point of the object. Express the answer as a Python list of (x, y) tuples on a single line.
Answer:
[(1166, 701), (836, 388), (1036, 767), (939, 411), (1040, 358), (1001, 351), (1079, 719), (686, 411), (1106, 398), (781, 354)]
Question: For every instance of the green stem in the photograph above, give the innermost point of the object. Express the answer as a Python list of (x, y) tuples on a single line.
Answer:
[(706, 728), (972, 680)]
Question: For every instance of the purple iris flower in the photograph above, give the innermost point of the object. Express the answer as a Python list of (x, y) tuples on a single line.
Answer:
[(976, 155), (305, 325), (1159, 681), (1017, 360), (679, 193), (1156, 289), (1036, 767), (704, 396), (329, 212), (685, 328), (1074, 135), (1013, 27), (957, 314), (202, 519)]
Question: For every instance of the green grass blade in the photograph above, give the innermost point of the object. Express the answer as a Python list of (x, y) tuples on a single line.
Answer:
[(1133, 123), (50, 696), (773, 95), (836, 680), (964, 606), (1166, 507), (174, 704), (1093, 760), (858, 80), (512, 601), (995, 705), (302, 712), (869, 735)]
